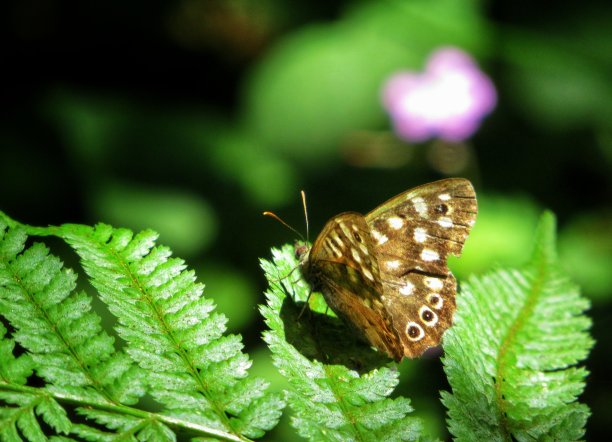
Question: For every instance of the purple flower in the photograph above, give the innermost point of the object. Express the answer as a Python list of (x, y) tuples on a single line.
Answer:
[(447, 101)]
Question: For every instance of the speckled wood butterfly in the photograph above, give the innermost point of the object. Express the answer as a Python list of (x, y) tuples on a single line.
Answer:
[(386, 274)]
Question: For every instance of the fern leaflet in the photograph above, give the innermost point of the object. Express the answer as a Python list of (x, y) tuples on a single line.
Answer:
[(512, 355), (198, 373), (63, 337), (182, 357), (330, 401)]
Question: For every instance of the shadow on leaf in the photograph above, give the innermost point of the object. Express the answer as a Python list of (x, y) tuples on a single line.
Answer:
[(327, 339)]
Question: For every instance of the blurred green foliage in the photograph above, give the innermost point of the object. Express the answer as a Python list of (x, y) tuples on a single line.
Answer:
[(191, 117), (585, 249), (502, 233), (188, 223), (234, 293), (328, 76)]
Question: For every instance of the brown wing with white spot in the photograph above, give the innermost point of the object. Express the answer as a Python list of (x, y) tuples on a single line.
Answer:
[(342, 266), (413, 235), (421, 317)]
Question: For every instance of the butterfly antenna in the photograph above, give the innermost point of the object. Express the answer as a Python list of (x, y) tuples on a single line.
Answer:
[(305, 214), (273, 215)]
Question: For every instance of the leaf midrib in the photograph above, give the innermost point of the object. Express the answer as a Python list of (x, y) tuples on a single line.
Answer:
[(508, 342), (144, 293)]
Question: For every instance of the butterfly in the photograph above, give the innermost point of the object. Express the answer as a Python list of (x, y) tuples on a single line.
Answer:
[(385, 273)]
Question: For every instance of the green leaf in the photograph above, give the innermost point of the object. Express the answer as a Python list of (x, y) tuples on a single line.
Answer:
[(171, 331), (13, 370), (57, 327), (512, 357), (340, 387), (64, 340), (110, 420), (184, 359), (29, 426), (157, 432), (53, 414)]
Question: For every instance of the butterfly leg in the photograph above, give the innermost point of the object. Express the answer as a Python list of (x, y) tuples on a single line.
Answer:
[(305, 304), (276, 280)]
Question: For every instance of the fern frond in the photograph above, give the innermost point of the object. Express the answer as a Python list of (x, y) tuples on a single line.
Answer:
[(64, 340), (21, 405), (512, 356), (20, 415), (13, 370), (330, 401), (189, 365), (196, 371)]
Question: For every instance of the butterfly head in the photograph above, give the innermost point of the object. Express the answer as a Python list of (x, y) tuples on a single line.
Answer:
[(302, 253)]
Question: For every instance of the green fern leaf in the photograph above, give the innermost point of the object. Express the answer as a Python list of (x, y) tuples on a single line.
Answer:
[(329, 397), (157, 432), (65, 342), (13, 370), (53, 414), (171, 331), (195, 371), (511, 357), (67, 338), (20, 414), (14, 373)]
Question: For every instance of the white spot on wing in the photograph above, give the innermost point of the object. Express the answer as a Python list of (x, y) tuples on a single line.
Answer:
[(364, 249), (445, 222), (420, 206), (420, 234), (337, 239), (345, 229), (407, 288), (444, 196), (434, 283), (333, 247), (355, 254), (393, 264), (395, 222), (429, 255), (379, 237), (367, 274)]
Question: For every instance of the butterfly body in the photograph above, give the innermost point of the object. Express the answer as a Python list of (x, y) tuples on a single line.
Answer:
[(385, 273)]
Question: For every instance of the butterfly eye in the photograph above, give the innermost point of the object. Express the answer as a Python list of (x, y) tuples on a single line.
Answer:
[(357, 236)]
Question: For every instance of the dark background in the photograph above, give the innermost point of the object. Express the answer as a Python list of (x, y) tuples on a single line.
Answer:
[(192, 117)]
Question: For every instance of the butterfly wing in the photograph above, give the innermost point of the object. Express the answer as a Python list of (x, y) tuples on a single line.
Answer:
[(341, 265), (413, 234)]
